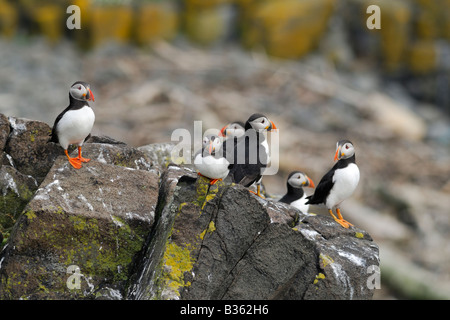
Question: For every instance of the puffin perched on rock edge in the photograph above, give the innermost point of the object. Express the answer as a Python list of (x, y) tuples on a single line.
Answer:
[(211, 162), (339, 183), (74, 124), (295, 195), (251, 152)]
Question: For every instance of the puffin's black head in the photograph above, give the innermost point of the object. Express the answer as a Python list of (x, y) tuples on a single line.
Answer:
[(233, 129), (344, 150), (259, 121), (80, 90), (298, 179)]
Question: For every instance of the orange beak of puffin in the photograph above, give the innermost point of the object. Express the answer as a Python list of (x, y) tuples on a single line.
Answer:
[(310, 183), (336, 155), (271, 127), (90, 96), (222, 131), (210, 150)]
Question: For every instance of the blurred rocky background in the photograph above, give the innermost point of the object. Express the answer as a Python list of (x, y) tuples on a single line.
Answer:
[(312, 66)]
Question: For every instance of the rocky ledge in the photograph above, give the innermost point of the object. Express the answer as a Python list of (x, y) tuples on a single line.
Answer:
[(132, 225)]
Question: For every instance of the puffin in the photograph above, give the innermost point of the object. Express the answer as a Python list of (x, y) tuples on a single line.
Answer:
[(74, 124), (211, 162), (251, 152), (295, 195), (339, 183), (232, 133), (234, 129)]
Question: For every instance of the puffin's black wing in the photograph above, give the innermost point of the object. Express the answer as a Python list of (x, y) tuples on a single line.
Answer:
[(285, 199), (246, 174), (245, 170), (323, 189), (54, 135)]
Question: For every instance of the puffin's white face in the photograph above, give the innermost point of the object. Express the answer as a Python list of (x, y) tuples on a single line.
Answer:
[(234, 130), (261, 123), (299, 179), (344, 150), (81, 92), (212, 143)]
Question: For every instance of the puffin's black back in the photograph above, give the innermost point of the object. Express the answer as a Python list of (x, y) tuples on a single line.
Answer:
[(326, 183), (293, 193), (242, 171)]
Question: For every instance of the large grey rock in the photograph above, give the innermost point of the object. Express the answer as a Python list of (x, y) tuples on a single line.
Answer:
[(222, 242), (28, 148), (96, 219)]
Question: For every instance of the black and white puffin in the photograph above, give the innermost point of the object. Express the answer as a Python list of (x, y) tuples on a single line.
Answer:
[(232, 133), (74, 124), (295, 195), (339, 183), (251, 152), (210, 162), (233, 130)]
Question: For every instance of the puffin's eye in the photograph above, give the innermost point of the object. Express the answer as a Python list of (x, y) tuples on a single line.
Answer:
[(79, 87), (346, 146)]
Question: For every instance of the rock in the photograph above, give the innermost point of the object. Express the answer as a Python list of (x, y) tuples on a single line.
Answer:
[(109, 23), (155, 21), (222, 242), (118, 154), (159, 153), (287, 28), (395, 117), (16, 191), (28, 147), (96, 219)]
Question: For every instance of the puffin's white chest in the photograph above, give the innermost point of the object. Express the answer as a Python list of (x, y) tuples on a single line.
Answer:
[(345, 182), (75, 126), (266, 150), (211, 167), (300, 204)]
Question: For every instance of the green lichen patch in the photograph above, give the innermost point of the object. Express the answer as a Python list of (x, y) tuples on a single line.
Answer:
[(177, 260), (319, 277), (211, 228), (359, 235), (47, 243)]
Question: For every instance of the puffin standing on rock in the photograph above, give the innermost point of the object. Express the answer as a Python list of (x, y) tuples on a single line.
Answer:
[(339, 183), (295, 195), (251, 152), (210, 162), (74, 124)]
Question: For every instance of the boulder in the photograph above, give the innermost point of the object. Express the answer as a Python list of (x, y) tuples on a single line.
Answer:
[(222, 242), (28, 147), (95, 219), (17, 190)]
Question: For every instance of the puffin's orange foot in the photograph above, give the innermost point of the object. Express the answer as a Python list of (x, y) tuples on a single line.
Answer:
[(213, 181), (257, 193), (83, 159), (341, 218), (75, 162), (343, 223)]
